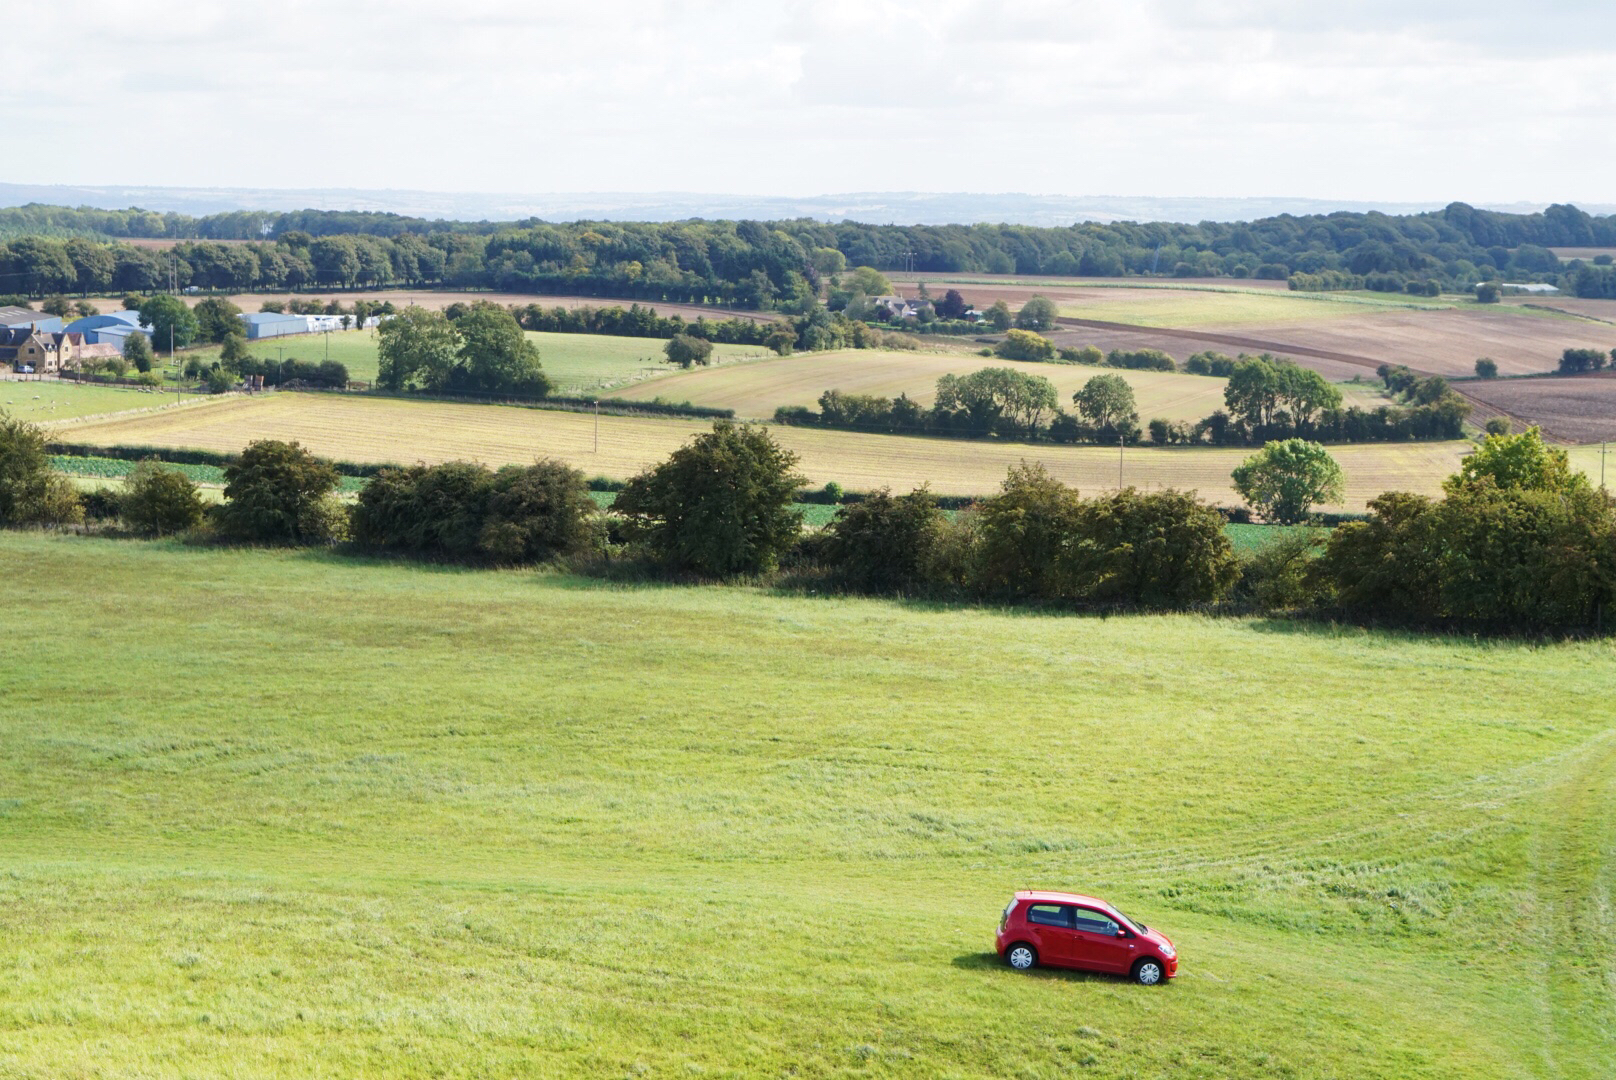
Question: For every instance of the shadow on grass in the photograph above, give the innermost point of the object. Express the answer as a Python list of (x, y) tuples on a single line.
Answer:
[(985, 961)]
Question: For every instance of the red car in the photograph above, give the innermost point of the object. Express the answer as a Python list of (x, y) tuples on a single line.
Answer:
[(1066, 930)]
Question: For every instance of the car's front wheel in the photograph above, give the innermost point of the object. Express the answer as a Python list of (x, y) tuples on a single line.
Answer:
[(1021, 956), (1148, 972)]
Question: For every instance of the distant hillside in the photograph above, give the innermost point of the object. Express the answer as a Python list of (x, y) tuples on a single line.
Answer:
[(879, 208)]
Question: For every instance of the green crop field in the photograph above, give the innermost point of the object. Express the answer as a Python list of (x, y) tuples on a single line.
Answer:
[(271, 813), (576, 363), (365, 429)]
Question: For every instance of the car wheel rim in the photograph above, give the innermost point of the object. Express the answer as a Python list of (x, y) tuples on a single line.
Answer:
[(1021, 958), (1150, 974)]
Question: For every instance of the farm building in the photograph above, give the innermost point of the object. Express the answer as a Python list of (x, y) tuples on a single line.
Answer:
[(14, 317), (268, 324), (107, 329), (25, 349)]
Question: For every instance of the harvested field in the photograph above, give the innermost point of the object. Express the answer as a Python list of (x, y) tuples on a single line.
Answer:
[(384, 429), (1441, 342), (756, 390), (1571, 408)]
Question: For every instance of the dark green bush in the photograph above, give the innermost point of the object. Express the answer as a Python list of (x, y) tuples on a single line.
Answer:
[(719, 506), (278, 492), (30, 492), (158, 501), (884, 544)]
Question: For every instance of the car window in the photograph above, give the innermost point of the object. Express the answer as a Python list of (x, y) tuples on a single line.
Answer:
[(1094, 923), (1050, 915)]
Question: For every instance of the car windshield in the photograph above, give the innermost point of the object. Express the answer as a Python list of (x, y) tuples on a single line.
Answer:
[(1131, 920)]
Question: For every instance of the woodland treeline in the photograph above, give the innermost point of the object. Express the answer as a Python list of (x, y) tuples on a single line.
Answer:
[(773, 265)]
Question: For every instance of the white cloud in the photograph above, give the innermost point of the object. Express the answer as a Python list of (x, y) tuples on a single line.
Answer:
[(1368, 100)]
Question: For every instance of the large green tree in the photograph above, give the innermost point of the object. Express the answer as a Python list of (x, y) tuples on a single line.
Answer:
[(217, 319), (495, 355), (1107, 402), (720, 505), (170, 323), (416, 350), (1284, 480), (1038, 313), (685, 350)]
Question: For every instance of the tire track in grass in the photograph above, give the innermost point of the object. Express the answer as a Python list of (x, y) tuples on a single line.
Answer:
[(1575, 872)]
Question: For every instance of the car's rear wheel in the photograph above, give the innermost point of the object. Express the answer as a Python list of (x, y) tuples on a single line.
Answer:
[(1148, 972), (1021, 956)]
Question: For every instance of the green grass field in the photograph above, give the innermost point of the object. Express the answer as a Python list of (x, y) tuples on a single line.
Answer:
[(269, 813), (576, 363), (46, 401)]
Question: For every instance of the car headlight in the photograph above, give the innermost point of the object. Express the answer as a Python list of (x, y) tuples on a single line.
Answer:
[(1168, 951)]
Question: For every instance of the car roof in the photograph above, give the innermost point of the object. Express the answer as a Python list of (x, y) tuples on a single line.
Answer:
[(1040, 896)]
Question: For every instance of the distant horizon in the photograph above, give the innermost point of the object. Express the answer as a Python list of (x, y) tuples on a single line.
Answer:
[(869, 207)]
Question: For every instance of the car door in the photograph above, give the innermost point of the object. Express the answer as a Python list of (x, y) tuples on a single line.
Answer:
[(1051, 924), (1099, 943)]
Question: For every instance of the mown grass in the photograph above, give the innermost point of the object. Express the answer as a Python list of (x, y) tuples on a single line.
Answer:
[(277, 813)]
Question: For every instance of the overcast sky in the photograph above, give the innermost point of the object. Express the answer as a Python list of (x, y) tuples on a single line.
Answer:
[(1395, 100)]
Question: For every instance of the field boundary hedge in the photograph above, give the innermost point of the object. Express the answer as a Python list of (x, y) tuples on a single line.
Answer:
[(611, 406), (188, 456)]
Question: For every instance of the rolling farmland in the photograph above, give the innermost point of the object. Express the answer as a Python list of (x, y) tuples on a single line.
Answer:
[(382, 429), (756, 390), (397, 820), (576, 363)]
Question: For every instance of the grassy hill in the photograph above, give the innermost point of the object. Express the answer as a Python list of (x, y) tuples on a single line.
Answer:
[(277, 813)]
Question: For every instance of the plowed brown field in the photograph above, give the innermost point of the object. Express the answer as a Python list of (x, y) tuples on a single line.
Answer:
[(1572, 408)]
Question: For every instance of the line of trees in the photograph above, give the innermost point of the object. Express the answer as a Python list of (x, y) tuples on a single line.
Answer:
[(1267, 398), (778, 265), (1519, 542)]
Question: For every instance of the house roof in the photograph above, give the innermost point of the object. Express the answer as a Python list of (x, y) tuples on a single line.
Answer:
[(15, 335), (15, 316)]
